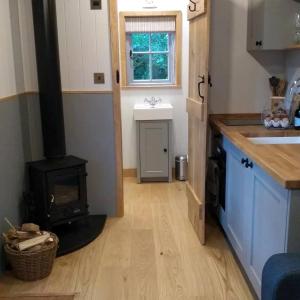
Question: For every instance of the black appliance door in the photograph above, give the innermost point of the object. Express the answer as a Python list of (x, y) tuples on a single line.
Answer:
[(66, 194)]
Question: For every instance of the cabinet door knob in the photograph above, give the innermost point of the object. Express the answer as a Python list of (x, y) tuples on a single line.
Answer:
[(244, 161), (249, 165), (258, 43), (165, 150)]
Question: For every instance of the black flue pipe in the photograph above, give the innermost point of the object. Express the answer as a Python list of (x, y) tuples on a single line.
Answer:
[(48, 67)]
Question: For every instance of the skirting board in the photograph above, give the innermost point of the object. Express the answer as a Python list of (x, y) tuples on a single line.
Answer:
[(133, 172), (129, 173)]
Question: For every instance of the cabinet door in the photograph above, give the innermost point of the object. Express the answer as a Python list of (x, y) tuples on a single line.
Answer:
[(269, 223), (154, 149), (237, 202), (271, 24), (256, 24)]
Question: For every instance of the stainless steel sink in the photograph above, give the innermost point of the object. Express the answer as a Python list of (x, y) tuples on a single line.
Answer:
[(288, 140)]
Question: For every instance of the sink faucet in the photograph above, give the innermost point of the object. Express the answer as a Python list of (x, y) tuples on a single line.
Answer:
[(152, 101)]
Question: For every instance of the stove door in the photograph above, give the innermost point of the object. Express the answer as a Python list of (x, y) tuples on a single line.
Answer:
[(66, 194)]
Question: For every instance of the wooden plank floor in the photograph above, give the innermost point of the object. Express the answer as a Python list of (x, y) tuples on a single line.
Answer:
[(151, 253)]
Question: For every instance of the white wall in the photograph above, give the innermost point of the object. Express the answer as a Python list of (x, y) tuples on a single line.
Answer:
[(292, 65), (83, 45), (7, 71), (240, 79), (17, 55), (28, 45), (177, 97)]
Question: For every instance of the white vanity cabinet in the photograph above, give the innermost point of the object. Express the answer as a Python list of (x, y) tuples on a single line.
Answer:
[(154, 142), (262, 218)]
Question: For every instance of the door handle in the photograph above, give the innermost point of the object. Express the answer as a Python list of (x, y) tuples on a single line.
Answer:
[(199, 86), (117, 76), (52, 201), (165, 150), (209, 80)]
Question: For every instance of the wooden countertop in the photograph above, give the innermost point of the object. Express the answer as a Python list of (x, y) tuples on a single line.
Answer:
[(282, 162)]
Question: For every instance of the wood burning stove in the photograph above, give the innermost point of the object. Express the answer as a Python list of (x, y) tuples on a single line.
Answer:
[(57, 196), (58, 191)]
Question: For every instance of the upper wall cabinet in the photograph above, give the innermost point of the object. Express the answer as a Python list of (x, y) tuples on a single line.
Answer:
[(272, 24)]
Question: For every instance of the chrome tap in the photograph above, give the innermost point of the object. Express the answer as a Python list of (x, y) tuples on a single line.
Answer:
[(152, 101)]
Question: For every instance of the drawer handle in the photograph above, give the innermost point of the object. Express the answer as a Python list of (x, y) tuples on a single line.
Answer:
[(165, 150)]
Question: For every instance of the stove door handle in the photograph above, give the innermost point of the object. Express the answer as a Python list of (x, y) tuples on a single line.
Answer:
[(52, 201)]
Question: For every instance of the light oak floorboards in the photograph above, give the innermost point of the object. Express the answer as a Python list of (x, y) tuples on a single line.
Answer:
[(151, 253)]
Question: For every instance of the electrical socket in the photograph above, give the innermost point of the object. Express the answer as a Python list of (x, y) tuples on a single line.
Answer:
[(96, 4), (99, 78)]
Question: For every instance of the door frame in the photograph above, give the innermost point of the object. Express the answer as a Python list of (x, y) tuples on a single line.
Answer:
[(114, 44)]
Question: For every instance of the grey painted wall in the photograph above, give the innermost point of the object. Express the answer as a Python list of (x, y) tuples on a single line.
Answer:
[(20, 141), (90, 135)]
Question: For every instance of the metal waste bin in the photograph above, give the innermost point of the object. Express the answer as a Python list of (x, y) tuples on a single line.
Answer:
[(181, 167)]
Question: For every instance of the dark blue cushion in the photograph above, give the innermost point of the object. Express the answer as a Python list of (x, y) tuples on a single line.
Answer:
[(281, 278)]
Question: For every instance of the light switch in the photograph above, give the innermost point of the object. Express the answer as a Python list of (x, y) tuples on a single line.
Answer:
[(99, 78), (96, 4)]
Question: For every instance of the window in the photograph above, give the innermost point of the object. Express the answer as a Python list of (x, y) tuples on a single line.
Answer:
[(150, 58), (151, 49)]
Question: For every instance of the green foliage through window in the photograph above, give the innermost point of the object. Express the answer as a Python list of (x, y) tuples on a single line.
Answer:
[(149, 56)]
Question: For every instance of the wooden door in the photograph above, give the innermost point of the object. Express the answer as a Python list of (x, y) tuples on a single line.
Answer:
[(199, 28)]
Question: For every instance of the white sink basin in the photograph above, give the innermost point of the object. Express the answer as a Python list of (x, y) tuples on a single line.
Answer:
[(162, 111), (275, 140)]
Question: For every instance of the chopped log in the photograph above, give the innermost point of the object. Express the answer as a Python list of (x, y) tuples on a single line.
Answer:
[(35, 248), (5, 238), (30, 227), (24, 235), (11, 234), (33, 242), (10, 225)]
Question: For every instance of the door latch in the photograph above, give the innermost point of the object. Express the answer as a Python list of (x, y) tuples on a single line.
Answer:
[(199, 87)]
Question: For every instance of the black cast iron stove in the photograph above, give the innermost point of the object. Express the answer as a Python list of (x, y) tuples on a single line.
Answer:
[(58, 189), (57, 195)]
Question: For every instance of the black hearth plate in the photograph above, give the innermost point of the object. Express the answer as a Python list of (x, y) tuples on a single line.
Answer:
[(79, 233)]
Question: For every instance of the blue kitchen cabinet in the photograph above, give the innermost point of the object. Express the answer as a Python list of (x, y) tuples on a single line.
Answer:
[(262, 218), (237, 202)]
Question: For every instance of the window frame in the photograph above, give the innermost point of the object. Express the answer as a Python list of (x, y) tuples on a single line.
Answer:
[(175, 56)]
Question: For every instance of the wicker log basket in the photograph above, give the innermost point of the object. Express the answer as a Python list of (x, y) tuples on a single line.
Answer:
[(32, 265)]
